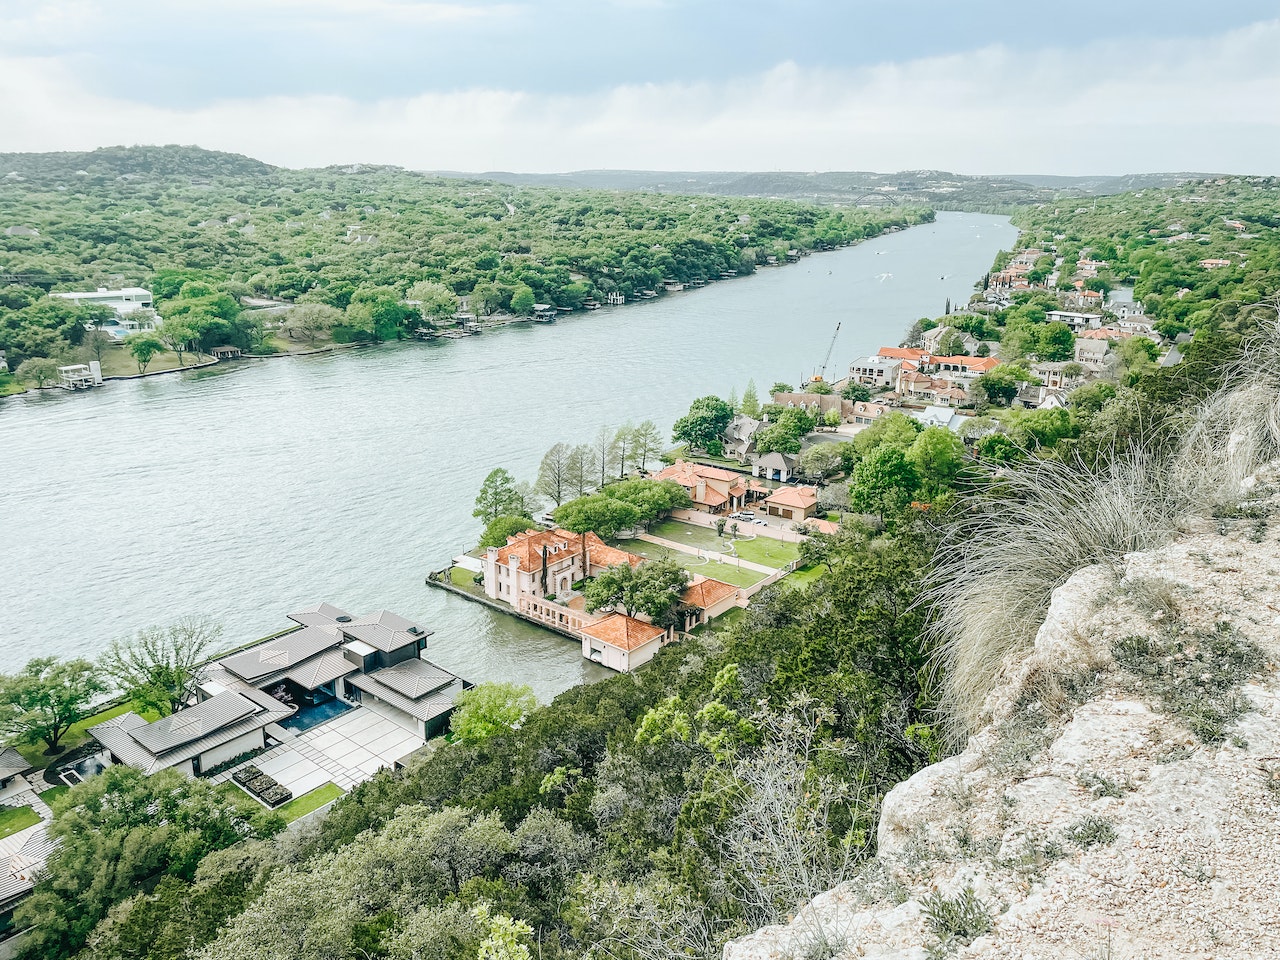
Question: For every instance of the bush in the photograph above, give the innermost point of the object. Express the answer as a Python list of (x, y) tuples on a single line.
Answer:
[(955, 921), (1091, 831)]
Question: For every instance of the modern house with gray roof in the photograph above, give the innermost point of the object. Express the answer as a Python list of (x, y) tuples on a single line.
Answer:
[(196, 739), (306, 665), (12, 763), (419, 691)]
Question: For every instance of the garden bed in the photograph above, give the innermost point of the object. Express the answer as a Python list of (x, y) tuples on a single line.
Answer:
[(261, 786)]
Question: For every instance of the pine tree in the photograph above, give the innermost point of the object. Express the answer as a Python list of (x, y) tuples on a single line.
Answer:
[(750, 405)]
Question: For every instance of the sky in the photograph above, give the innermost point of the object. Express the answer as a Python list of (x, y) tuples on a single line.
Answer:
[(559, 85)]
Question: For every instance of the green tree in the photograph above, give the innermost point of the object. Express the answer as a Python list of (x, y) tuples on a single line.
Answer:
[(177, 333), (488, 709), (554, 481), (890, 429), (702, 427), (498, 497), (820, 461), (653, 588), (45, 698), (604, 453), (597, 513), (157, 667), (785, 433), (438, 302), (310, 321), (884, 482), (1001, 383), (646, 442), (856, 392), (500, 528), (624, 447), (750, 405), (143, 347), (938, 456), (37, 370), (522, 300), (952, 344), (651, 498), (1055, 342), (779, 387), (96, 343), (119, 831), (578, 470), (820, 387), (997, 448)]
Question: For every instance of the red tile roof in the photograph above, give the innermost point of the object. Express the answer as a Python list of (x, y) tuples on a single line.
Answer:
[(901, 353), (527, 547), (683, 472), (794, 497), (707, 593), (623, 632)]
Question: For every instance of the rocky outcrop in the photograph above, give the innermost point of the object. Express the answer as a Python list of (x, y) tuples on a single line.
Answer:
[(1123, 797)]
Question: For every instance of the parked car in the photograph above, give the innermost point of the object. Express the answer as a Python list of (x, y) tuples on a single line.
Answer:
[(760, 520)]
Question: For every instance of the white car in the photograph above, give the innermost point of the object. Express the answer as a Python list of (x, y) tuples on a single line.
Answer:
[(760, 520)]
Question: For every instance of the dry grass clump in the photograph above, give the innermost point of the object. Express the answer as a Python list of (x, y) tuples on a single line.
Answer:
[(991, 587), (990, 591)]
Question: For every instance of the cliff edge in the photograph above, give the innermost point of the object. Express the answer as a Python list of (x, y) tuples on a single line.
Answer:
[(1122, 795)]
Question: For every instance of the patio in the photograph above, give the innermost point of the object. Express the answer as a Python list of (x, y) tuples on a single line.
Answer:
[(348, 749)]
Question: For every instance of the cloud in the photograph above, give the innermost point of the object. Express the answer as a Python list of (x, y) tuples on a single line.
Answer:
[(1104, 107)]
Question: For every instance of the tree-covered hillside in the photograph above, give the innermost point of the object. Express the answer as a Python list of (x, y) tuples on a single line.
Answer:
[(162, 216)]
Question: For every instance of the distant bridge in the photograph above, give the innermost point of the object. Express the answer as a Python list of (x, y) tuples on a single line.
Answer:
[(875, 198)]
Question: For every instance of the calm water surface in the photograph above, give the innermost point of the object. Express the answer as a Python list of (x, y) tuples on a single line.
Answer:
[(250, 490)]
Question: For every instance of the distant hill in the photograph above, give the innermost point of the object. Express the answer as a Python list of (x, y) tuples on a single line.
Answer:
[(1102, 186), (131, 163), (938, 188)]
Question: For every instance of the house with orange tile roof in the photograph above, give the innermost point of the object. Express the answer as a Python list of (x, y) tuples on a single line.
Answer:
[(620, 642), (792, 503), (710, 488), (545, 563), (706, 599)]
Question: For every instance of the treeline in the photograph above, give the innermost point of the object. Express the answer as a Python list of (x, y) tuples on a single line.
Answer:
[(340, 236)]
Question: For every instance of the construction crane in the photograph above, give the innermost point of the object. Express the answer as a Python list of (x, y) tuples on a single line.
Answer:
[(822, 371)]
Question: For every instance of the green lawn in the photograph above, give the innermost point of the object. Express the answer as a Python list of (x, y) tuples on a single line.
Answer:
[(704, 538), (314, 800), (462, 578), (804, 576), (766, 550), (758, 549), (738, 576), (52, 794), (78, 734), (724, 621), (118, 362), (13, 819)]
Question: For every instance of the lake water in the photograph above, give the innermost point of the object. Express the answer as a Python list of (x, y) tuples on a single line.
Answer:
[(258, 487)]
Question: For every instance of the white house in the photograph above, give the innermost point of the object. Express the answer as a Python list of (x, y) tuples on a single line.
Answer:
[(1076, 321), (877, 372), (122, 301), (1091, 353)]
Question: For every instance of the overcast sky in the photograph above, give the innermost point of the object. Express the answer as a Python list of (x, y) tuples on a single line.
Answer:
[(560, 85)]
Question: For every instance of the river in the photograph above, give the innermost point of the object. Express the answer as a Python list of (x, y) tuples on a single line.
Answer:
[(254, 488)]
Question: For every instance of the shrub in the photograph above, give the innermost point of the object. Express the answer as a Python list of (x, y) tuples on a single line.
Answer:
[(955, 921), (1090, 831), (1193, 676)]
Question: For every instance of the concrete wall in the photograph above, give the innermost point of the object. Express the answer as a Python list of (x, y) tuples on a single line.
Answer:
[(242, 744)]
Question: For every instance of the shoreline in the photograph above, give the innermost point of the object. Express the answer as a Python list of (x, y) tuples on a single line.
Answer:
[(506, 320)]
